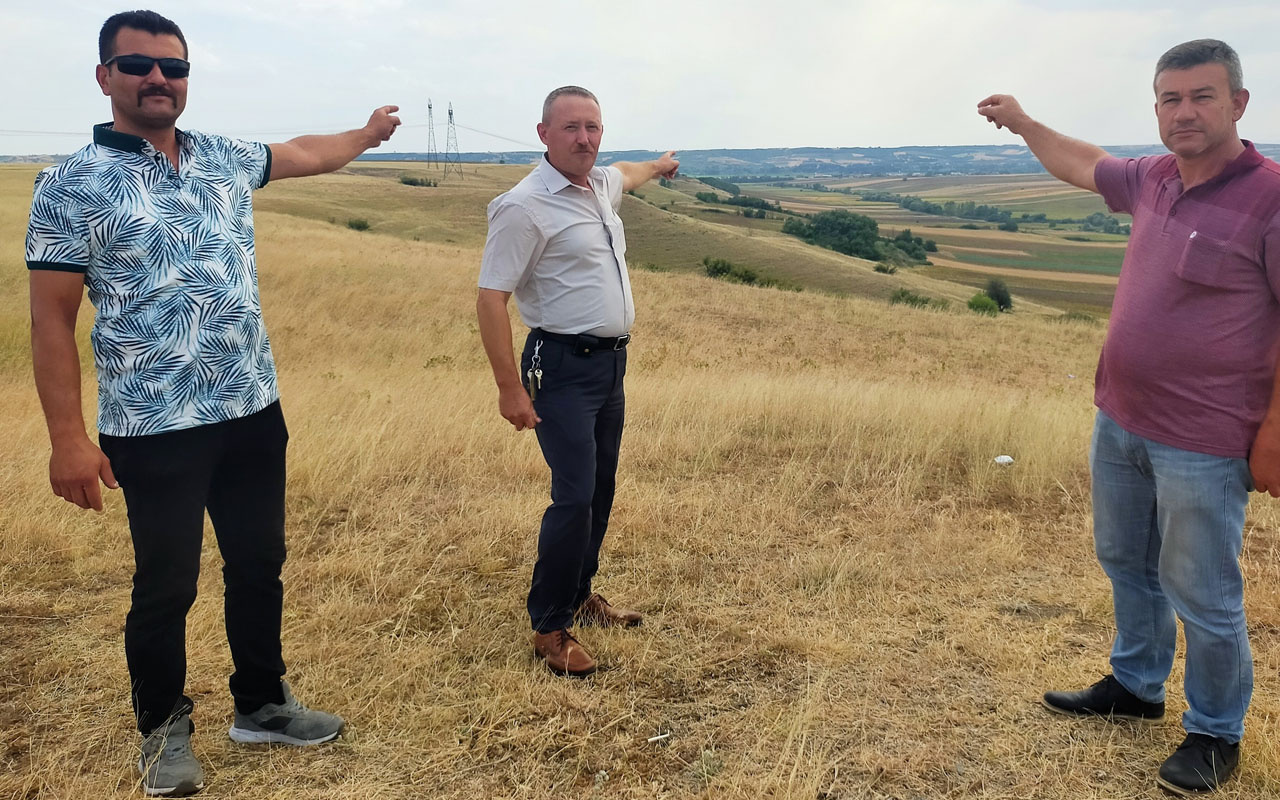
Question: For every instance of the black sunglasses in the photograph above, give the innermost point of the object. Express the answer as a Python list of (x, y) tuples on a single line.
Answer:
[(142, 65)]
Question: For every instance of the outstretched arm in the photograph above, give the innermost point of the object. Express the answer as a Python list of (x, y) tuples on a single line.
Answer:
[(1066, 159), (315, 155), (637, 173), (76, 463)]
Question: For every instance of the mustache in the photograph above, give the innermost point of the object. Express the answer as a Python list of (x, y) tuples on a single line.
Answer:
[(155, 91)]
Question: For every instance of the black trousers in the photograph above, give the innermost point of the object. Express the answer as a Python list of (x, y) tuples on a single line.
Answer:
[(581, 404), (236, 470)]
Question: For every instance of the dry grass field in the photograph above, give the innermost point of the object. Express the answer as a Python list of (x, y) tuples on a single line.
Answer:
[(845, 597)]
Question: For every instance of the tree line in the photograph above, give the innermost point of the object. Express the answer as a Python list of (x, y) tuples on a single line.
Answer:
[(968, 209), (859, 235)]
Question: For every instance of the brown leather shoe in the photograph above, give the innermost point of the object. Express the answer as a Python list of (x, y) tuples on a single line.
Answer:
[(565, 655), (597, 611)]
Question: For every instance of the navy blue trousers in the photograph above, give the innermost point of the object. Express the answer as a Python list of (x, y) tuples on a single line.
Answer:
[(581, 405), (236, 470)]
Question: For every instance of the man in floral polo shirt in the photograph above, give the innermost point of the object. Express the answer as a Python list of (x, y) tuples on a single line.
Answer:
[(158, 224)]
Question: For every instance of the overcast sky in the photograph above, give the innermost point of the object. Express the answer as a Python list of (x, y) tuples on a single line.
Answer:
[(686, 74)]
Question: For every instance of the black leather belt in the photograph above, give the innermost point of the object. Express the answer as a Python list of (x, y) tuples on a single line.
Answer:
[(586, 343)]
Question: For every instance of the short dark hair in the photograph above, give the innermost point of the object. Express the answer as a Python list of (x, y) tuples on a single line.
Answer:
[(148, 21), (1204, 51), (570, 91)]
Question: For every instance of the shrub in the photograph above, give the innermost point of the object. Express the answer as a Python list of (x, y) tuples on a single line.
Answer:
[(358, 224), (707, 197), (887, 269), (1009, 226), (409, 180), (752, 202), (728, 271), (909, 298), (983, 305), (999, 293), (1077, 316), (716, 267)]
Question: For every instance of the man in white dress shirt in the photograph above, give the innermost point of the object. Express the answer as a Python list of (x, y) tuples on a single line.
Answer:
[(556, 242)]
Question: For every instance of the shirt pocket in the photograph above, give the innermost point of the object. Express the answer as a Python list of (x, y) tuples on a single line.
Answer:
[(1206, 261)]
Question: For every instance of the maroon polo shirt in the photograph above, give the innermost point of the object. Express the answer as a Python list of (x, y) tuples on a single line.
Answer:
[(1190, 354)]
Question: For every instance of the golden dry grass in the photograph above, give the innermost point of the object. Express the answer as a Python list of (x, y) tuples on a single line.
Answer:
[(845, 598)]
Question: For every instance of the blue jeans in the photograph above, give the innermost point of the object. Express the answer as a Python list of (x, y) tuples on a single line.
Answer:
[(1168, 526)]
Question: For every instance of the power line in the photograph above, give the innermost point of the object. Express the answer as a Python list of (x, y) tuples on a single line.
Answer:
[(298, 131), (41, 133), (526, 145)]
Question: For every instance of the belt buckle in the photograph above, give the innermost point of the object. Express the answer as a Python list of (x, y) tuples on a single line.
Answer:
[(622, 341)]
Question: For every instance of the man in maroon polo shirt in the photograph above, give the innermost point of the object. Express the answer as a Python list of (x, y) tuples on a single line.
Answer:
[(1187, 417)]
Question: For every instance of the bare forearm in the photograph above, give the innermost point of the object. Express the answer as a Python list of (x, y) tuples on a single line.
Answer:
[(56, 361), (325, 153), (1065, 158), (495, 334), (636, 173), (315, 155)]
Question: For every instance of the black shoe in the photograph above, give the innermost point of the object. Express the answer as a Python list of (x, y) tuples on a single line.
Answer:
[(1200, 764), (1106, 698)]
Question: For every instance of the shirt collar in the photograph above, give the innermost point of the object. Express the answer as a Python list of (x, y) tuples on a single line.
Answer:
[(1244, 162), (552, 178), (106, 135), (1239, 165)]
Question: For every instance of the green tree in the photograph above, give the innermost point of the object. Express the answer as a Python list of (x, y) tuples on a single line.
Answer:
[(999, 294)]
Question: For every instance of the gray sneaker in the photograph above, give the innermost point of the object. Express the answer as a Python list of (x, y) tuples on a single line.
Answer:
[(168, 767), (289, 722)]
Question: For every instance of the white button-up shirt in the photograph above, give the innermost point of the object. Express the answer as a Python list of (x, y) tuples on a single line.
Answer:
[(560, 249)]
